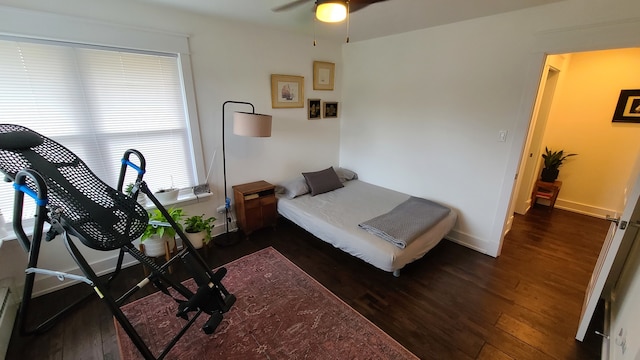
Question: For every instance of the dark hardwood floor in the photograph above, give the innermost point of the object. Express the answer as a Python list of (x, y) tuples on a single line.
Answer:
[(454, 303)]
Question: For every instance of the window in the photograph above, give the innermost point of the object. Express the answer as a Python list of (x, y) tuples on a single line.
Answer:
[(99, 102)]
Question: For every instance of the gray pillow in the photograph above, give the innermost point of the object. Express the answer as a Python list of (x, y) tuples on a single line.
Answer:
[(322, 181), (293, 188), (345, 174)]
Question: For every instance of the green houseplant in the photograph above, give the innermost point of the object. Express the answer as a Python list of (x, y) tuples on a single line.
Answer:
[(198, 229), (158, 231), (129, 189), (552, 161)]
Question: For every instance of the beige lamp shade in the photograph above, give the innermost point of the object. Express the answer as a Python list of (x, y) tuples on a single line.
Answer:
[(331, 11), (250, 124)]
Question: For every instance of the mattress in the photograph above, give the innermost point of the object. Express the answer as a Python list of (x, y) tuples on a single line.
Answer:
[(334, 217)]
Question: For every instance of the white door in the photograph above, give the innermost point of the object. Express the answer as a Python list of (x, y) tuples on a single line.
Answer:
[(618, 241), (624, 332)]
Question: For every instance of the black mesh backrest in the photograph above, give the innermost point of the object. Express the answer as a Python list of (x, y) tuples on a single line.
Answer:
[(99, 215)]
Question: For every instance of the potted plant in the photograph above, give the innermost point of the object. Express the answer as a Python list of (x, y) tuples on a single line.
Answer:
[(159, 231), (129, 189), (198, 229), (167, 195), (552, 161)]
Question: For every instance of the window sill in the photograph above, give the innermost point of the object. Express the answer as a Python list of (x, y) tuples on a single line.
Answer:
[(186, 197)]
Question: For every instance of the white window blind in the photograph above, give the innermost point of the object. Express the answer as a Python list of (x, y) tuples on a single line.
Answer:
[(99, 102)]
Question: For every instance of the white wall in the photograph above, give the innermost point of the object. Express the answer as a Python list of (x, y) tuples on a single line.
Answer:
[(230, 61), (422, 110)]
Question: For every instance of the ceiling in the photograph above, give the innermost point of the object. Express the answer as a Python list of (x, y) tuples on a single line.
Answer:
[(377, 20)]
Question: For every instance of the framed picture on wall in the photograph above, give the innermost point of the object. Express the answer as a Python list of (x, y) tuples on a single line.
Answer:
[(628, 107), (323, 75), (287, 91), (330, 109), (314, 111)]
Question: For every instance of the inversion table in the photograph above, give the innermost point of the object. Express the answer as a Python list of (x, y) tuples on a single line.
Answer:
[(78, 205)]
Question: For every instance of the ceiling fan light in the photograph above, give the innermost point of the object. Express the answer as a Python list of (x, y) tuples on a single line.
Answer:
[(334, 11)]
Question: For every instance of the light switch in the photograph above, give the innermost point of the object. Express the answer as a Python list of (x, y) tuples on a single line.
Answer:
[(502, 135)]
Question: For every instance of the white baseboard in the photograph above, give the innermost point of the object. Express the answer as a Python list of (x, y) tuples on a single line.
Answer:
[(585, 209), (471, 242)]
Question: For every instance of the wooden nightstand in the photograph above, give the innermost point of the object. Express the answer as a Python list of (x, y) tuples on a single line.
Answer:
[(255, 206)]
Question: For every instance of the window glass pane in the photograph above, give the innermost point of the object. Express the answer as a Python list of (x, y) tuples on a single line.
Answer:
[(98, 103)]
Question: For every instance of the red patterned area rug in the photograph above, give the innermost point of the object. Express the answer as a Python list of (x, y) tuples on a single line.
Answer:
[(281, 313)]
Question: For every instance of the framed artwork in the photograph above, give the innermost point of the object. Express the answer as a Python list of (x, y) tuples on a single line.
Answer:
[(330, 109), (287, 91), (313, 111), (323, 75), (628, 108)]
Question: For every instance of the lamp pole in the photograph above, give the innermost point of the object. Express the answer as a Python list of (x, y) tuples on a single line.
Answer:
[(227, 202)]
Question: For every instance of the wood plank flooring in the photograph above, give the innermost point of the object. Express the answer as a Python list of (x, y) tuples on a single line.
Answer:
[(454, 303)]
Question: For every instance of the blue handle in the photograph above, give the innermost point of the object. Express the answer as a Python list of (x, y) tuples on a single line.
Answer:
[(25, 189), (134, 166)]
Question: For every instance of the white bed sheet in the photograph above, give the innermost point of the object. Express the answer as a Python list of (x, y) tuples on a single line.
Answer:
[(334, 217)]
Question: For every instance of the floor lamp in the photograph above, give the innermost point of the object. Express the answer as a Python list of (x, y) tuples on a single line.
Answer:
[(244, 124)]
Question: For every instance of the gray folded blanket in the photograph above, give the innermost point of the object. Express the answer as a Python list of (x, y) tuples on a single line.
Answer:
[(407, 221)]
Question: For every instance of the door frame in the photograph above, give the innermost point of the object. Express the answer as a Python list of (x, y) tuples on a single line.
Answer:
[(530, 162), (590, 37)]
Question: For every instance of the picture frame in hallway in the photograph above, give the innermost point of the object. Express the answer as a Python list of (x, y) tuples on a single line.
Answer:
[(628, 107), (287, 91)]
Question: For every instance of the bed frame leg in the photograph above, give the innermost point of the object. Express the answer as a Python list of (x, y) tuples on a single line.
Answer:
[(396, 273)]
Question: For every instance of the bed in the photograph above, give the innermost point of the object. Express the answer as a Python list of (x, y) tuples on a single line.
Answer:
[(334, 217)]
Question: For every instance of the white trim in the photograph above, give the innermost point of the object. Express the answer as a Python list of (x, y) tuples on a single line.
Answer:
[(191, 109), (41, 25), (185, 197), (470, 241), (584, 209), (621, 33), (527, 101)]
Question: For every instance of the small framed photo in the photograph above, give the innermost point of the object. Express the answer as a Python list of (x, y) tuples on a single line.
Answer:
[(314, 111), (628, 108), (287, 91), (323, 75), (330, 109)]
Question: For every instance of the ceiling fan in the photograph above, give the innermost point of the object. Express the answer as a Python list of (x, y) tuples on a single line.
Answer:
[(330, 10)]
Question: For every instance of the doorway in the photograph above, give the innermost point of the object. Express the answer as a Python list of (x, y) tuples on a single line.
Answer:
[(572, 112), (530, 162)]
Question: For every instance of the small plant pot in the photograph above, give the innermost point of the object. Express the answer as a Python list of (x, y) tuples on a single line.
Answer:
[(155, 245), (549, 175), (197, 239), (167, 196)]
